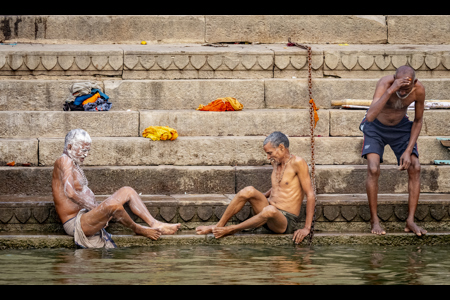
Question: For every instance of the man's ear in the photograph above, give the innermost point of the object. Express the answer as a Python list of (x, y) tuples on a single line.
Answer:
[(281, 146), (69, 146)]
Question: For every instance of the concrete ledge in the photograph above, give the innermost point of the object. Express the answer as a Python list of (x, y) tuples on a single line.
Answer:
[(202, 151), (339, 179), (49, 94), (293, 122), (392, 239), (235, 61)]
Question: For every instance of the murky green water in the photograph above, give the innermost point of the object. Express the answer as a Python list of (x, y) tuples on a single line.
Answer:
[(251, 265)]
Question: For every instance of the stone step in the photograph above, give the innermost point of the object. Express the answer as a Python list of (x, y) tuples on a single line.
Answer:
[(203, 151), (248, 122), (351, 29), (338, 179), (49, 94), (45, 241), (334, 213), (194, 61)]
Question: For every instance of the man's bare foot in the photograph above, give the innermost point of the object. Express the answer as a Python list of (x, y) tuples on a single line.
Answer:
[(151, 233), (412, 227), (167, 229), (222, 231), (376, 229), (205, 229)]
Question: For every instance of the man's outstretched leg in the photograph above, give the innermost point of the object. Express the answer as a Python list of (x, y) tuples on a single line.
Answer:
[(414, 193), (97, 218), (264, 213), (373, 173)]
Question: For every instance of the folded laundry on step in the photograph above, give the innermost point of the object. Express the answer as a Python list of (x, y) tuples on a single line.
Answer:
[(80, 89), (68, 106), (160, 133), (99, 105), (84, 93), (222, 104)]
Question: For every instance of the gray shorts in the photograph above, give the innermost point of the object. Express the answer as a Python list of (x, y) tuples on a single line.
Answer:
[(292, 222)]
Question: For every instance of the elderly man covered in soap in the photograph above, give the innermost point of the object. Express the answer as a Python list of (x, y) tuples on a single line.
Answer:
[(81, 215)]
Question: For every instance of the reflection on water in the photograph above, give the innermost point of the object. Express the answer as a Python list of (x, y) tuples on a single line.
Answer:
[(234, 264)]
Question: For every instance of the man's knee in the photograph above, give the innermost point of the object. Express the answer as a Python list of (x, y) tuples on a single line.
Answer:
[(128, 190), (414, 168), (373, 169), (269, 211), (248, 192)]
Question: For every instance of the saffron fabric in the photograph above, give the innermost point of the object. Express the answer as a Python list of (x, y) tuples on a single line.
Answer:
[(160, 133), (316, 115), (91, 99), (222, 104)]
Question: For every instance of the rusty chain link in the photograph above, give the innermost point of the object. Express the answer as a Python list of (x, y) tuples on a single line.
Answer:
[(312, 125)]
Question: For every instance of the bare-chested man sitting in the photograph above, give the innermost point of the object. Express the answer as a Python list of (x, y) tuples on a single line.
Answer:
[(386, 123), (75, 203), (279, 208)]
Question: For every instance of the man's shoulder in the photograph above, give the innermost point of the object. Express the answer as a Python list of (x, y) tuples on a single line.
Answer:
[(300, 161)]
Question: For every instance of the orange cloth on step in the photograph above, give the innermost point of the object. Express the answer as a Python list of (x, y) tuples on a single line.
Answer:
[(160, 133), (91, 99), (222, 104), (316, 115)]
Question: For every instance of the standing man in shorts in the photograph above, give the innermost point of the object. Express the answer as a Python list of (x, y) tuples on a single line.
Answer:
[(386, 123)]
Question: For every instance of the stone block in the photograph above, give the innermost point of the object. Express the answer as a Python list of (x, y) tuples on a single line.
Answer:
[(182, 94), (13, 28), (301, 28), (35, 95), (21, 151), (292, 122), (418, 29), (58, 124), (126, 29)]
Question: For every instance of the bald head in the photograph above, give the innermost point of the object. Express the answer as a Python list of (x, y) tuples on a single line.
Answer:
[(405, 71)]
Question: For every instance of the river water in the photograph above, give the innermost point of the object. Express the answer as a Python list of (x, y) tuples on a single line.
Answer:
[(229, 265)]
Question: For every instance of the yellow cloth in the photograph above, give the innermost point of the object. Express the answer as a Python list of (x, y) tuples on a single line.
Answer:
[(91, 99), (213, 105), (160, 133)]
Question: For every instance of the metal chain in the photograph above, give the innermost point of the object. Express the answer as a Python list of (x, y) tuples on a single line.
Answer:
[(312, 125)]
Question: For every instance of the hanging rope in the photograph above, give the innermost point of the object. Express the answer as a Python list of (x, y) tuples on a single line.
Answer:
[(313, 122)]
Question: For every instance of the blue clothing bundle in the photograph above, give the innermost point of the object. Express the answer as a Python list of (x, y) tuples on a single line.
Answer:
[(102, 103), (99, 105)]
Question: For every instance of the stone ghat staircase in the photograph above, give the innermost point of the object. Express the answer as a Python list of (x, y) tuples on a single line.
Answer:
[(192, 179)]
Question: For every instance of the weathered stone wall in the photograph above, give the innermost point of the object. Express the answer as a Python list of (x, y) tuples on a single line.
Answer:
[(354, 29)]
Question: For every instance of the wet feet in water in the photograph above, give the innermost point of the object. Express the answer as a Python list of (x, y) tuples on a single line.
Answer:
[(167, 229), (151, 233), (412, 227), (222, 231), (205, 229), (376, 229)]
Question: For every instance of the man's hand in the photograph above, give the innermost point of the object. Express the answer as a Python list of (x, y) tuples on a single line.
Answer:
[(300, 234), (398, 83), (405, 161)]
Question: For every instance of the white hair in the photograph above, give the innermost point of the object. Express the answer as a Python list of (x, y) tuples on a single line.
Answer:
[(76, 136)]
